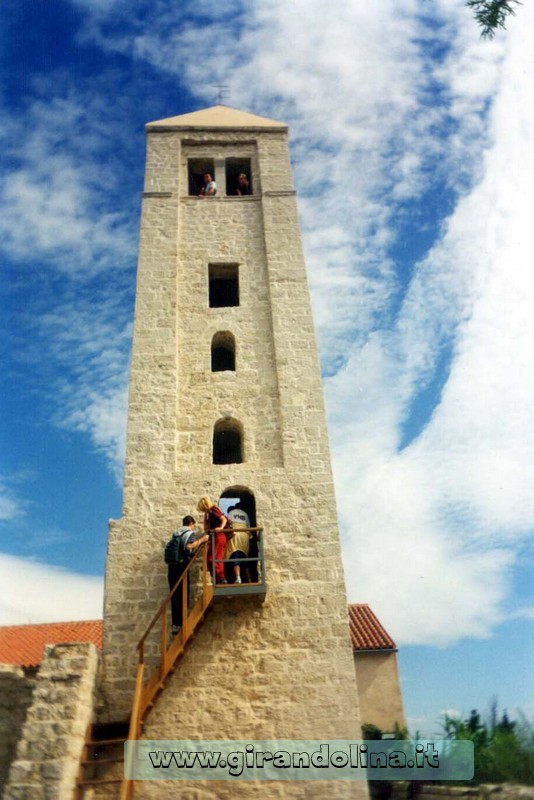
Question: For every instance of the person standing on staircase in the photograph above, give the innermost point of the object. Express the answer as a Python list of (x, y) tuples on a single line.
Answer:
[(186, 541)]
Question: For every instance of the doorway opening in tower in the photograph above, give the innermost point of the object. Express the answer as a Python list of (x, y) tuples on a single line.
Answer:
[(244, 564), (241, 495)]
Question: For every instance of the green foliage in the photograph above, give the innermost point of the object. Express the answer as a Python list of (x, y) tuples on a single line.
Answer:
[(401, 732), (504, 749), (492, 14), (370, 731)]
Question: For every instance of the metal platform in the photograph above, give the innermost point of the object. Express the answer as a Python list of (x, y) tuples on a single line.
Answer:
[(239, 589)]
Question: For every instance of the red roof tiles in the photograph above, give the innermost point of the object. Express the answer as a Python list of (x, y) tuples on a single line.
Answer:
[(23, 645), (366, 631)]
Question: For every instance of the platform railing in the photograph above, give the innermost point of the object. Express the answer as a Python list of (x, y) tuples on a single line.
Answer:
[(170, 648), (252, 566)]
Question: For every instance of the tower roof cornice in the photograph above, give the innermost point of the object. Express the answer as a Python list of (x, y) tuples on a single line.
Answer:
[(216, 117)]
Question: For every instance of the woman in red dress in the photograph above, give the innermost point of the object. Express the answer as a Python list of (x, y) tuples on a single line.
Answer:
[(217, 524)]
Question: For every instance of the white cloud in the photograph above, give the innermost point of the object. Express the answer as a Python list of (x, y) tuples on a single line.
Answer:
[(11, 505), (88, 339), (103, 416), (525, 613), (367, 106), (453, 507), (430, 533), (59, 214), (34, 592), (54, 199)]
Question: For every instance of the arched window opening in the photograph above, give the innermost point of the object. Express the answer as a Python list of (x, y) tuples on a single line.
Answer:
[(227, 442), (223, 352)]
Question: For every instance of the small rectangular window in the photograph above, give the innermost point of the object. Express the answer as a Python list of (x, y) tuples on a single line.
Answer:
[(224, 285), (238, 176), (196, 169)]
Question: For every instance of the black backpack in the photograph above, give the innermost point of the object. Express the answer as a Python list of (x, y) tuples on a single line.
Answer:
[(175, 549)]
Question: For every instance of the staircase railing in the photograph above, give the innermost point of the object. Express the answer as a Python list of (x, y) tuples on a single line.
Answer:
[(145, 692), (252, 564)]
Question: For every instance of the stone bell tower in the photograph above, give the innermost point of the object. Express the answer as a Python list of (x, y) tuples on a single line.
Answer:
[(226, 400)]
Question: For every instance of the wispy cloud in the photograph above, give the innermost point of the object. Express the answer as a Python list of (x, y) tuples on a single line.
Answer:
[(11, 506), (14, 505), (63, 215), (394, 135), (365, 96), (456, 503), (35, 592), (86, 333), (93, 388), (55, 197)]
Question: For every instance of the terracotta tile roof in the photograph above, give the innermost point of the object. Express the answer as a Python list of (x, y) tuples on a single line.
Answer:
[(366, 631), (23, 645)]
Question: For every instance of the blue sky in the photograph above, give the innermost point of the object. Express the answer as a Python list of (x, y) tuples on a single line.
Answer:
[(411, 142)]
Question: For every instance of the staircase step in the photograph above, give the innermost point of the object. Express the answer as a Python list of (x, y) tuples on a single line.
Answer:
[(95, 762), (105, 742), (92, 764), (98, 781), (101, 766)]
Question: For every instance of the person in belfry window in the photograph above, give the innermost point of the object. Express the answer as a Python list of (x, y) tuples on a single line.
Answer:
[(218, 526), (243, 184), (210, 187)]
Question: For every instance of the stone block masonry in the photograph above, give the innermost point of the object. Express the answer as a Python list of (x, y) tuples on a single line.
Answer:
[(48, 753), (281, 669), (15, 697), (484, 791)]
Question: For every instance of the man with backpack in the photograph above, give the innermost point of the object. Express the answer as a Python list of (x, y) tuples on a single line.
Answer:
[(178, 552)]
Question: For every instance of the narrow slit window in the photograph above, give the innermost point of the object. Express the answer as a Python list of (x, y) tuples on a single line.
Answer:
[(197, 168), (227, 442), (223, 352), (238, 176), (223, 285)]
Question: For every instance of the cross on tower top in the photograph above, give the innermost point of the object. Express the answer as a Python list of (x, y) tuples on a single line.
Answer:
[(222, 90)]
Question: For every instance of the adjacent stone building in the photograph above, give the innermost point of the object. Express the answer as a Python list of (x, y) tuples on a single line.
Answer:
[(48, 695), (377, 671)]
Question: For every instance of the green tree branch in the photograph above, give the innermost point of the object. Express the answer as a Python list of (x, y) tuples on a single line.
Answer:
[(492, 14)]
